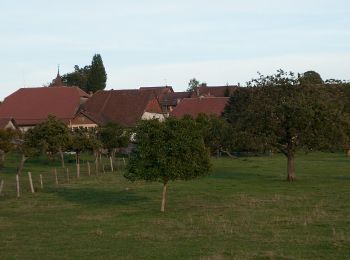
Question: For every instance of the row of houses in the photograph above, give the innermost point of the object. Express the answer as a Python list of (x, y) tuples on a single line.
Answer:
[(28, 107)]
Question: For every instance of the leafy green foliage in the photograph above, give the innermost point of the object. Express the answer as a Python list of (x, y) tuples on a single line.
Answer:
[(90, 78), (192, 84), (278, 112), (310, 78), (7, 144), (77, 78), (52, 134), (97, 76), (217, 133), (113, 136), (168, 151)]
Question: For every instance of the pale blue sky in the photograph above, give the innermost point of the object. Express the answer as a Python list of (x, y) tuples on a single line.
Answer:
[(157, 42)]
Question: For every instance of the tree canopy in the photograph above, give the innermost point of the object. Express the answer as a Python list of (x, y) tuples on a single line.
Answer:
[(279, 112), (89, 78), (97, 76), (113, 136), (168, 151)]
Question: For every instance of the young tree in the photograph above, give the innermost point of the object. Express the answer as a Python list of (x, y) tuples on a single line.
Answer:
[(217, 134), (113, 136), (168, 151), (97, 76), (55, 136), (7, 137), (278, 112), (28, 145)]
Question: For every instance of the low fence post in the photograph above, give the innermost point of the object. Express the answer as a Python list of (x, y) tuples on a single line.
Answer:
[(31, 182)]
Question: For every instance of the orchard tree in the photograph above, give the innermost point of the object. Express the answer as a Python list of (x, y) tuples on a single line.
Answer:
[(55, 136), (28, 145), (114, 136), (7, 137), (217, 134), (97, 76), (279, 112), (168, 151)]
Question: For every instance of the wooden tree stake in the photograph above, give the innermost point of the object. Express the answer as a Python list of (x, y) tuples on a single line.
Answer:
[(78, 170), (31, 182), (56, 178), (17, 186), (89, 169), (67, 173), (111, 163), (41, 181)]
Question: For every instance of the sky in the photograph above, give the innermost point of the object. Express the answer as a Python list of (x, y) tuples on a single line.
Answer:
[(163, 42)]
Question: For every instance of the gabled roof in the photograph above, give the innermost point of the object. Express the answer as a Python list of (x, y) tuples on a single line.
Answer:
[(7, 123), (30, 106), (171, 99), (120, 106), (195, 106), (216, 91)]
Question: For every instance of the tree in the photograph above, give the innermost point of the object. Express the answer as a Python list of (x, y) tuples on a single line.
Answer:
[(113, 136), (168, 151), (97, 76), (77, 78), (28, 145), (193, 85), (278, 112), (6, 143), (54, 135), (310, 78), (217, 134)]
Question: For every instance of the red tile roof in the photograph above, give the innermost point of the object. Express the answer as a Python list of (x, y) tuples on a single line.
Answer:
[(195, 106), (171, 99), (4, 122), (30, 106), (125, 107), (216, 91)]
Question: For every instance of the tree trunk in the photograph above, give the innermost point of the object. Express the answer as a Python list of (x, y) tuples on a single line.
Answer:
[(290, 167), (349, 153), (162, 208), (62, 157), (21, 164), (2, 159)]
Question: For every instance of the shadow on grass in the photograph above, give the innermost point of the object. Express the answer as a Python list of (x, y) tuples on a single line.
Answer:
[(98, 197)]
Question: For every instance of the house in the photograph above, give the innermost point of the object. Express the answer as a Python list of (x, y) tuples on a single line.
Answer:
[(217, 91), (171, 100), (8, 123), (194, 106), (31, 106), (125, 107)]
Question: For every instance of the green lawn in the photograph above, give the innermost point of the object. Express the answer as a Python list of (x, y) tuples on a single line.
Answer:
[(243, 210)]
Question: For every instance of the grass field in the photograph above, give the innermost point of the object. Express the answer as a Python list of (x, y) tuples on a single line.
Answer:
[(243, 210)]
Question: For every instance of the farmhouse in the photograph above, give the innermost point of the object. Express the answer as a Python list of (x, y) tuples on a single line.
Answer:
[(8, 123), (31, 106), (195, 106), (125, 107)]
